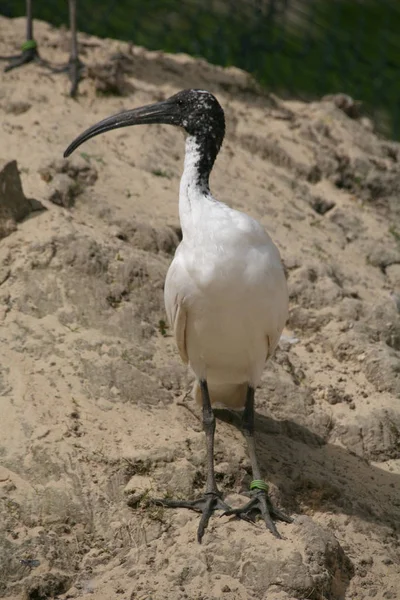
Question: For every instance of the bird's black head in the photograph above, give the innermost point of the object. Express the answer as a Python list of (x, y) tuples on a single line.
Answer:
[(197, 111)]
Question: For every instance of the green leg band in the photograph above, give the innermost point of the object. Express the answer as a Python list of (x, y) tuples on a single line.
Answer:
[(28, 45), (259, 484)]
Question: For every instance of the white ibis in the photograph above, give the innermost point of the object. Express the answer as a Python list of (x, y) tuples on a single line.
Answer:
[(30, 52), (225, 293)]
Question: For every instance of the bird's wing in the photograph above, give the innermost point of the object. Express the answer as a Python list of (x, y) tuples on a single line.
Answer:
[(180, 332), (176, 311), (277, 311)]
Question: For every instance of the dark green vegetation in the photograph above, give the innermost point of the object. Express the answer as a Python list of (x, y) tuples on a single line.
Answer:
[(301, 48)]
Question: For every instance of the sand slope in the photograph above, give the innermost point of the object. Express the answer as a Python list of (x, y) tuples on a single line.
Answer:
[(91, 389)]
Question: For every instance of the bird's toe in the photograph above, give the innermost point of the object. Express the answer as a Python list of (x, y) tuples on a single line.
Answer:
[(206, 505), (260, 505)]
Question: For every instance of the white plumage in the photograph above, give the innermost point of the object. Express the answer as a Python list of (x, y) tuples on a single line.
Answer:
[(225, 293)]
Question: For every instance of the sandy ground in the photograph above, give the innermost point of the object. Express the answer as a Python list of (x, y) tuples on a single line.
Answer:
[(92, 388)]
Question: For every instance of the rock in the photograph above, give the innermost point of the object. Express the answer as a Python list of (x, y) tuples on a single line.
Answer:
[(80, 169), (382, 368), (382, 256), (367, 123), (350, 224), (17, 108), (382, 322), (178, 478), (14, 206), (373, 437), (12, 195), (315, 285), (139, 484), (345, 103), (63, 190), (329, 566), (321, 205), (48, 585), (319, 564)]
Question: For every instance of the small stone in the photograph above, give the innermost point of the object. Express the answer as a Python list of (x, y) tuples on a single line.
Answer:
[(382, 256), (80, 169), (321, 205), (332, 395), (368, 124), (17, 108), (222, 467), (138, 485), (345, 103), (63, 190)]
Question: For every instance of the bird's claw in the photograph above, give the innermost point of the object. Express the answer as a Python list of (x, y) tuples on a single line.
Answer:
[(260, 504), (74, 68), (26, 56), (206, 505)]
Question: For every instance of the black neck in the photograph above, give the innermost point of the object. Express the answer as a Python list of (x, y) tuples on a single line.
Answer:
[(207, 147)]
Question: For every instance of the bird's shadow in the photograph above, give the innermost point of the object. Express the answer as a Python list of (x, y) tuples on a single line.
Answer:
[(315, 476)]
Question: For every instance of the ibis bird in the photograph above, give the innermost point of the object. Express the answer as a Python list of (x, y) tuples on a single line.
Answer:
[(225, 292), (30, 51)]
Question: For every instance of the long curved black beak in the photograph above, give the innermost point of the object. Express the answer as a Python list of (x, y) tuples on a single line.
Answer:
[(166, 112)]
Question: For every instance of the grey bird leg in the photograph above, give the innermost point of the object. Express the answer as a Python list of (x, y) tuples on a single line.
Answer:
[(211, 499), (74, 66), (260, 502), (29, 49)]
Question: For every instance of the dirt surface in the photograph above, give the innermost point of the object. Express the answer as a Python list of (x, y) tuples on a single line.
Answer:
[(90, 380)]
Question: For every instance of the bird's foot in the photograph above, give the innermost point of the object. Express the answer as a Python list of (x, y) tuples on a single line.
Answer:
[(206, 505), (74, 68), (29, 54), (260, 504)]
